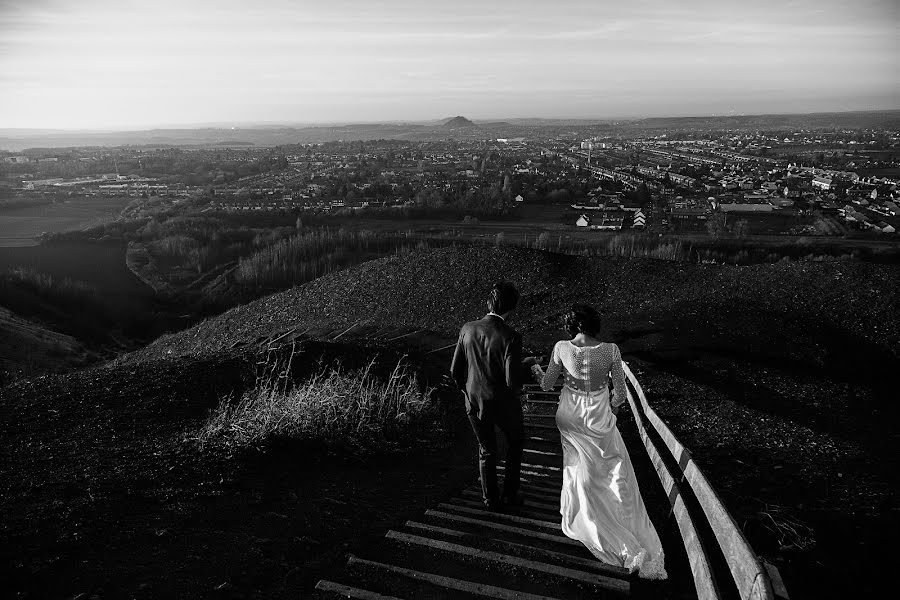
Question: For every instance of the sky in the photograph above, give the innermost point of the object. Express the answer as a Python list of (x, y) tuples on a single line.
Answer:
[(118, 64)]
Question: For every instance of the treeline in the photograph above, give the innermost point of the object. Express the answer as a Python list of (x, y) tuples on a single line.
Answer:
[(201, 243), (305, 256), (194, 254), (24, 202), (172, 165), (711, 251)]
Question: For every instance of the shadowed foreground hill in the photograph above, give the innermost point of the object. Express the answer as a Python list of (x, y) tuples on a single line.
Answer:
[(777, 377)]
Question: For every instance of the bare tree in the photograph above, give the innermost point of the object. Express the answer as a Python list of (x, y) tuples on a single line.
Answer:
[(715, 226)]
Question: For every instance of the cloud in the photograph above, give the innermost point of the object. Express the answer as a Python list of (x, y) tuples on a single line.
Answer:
[(170, 59)]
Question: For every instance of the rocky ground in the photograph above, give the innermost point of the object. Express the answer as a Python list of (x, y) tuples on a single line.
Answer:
[(775, 376), (712, 304)]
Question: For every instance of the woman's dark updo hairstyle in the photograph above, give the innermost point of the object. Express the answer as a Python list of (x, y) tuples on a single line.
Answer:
[(583, 319), (504, 298)]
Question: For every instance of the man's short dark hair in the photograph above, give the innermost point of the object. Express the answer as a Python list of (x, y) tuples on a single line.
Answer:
[(504, 298), (583, 319)]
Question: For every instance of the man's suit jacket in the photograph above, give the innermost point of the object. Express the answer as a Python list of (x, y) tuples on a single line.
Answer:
[(487, 366)]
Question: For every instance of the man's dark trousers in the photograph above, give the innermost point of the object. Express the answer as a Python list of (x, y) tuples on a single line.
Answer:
[(487, 367), (512, 427)]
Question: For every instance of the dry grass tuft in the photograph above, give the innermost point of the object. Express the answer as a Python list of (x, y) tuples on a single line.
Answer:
[(335, 407), (788, 532)]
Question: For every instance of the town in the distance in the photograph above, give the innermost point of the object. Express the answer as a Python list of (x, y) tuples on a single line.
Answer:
[(673, 177)]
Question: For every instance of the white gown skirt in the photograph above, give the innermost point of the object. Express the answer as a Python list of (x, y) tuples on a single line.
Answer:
[(601, 504)]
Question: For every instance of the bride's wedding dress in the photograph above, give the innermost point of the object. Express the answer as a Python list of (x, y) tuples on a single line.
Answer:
[(600, 503)]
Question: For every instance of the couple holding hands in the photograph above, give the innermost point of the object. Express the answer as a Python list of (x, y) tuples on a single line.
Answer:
[(600, 502)]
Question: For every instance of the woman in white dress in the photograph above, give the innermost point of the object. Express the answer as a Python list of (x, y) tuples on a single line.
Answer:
[(600, 503)]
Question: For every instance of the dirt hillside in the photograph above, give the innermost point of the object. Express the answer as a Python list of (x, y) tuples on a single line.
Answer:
[(804, 303), (777, 377)]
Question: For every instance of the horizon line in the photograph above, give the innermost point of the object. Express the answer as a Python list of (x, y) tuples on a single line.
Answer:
[(259, 124)]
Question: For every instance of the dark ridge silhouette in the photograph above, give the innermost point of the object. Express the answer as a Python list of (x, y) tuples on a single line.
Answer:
[(459, 121)]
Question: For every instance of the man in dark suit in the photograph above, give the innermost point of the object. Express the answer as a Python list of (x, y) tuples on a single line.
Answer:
[(487, 366)]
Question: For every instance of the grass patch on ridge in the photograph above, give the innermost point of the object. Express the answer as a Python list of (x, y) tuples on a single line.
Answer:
[(333, 408)]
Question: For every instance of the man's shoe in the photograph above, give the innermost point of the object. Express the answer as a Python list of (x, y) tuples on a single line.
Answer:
[(494, 505)]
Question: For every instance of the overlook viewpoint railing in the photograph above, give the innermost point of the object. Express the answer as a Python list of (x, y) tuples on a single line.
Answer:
[(685, 484)]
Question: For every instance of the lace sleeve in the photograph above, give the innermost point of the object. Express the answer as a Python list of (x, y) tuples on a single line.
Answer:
[(620, 396), (548, 378)]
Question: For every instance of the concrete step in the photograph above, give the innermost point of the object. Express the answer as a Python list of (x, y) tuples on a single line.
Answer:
[(529, 501), (480, 512), (548, 495), (489, 542), (528, 510), (535, 476), (423, 561), (546, 453), (537, 471), (592, 578), (550, 469), (542, 485), (453, 584), (543, 439), (339, 590), (533, 425), (486, 522)]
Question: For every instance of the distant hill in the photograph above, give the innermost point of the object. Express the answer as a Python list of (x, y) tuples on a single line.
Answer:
[(457, 122), (16, 140), (884, 119)]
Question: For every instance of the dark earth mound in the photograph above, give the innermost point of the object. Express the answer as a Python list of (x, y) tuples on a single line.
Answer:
[(105, 492), (459, 121), (775, 376), (27, 346), (814, 308)]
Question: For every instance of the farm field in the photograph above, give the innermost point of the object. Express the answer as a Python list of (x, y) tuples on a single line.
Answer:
[(22, 225)]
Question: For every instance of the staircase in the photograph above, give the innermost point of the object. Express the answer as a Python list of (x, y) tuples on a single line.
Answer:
[(457, 549)]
